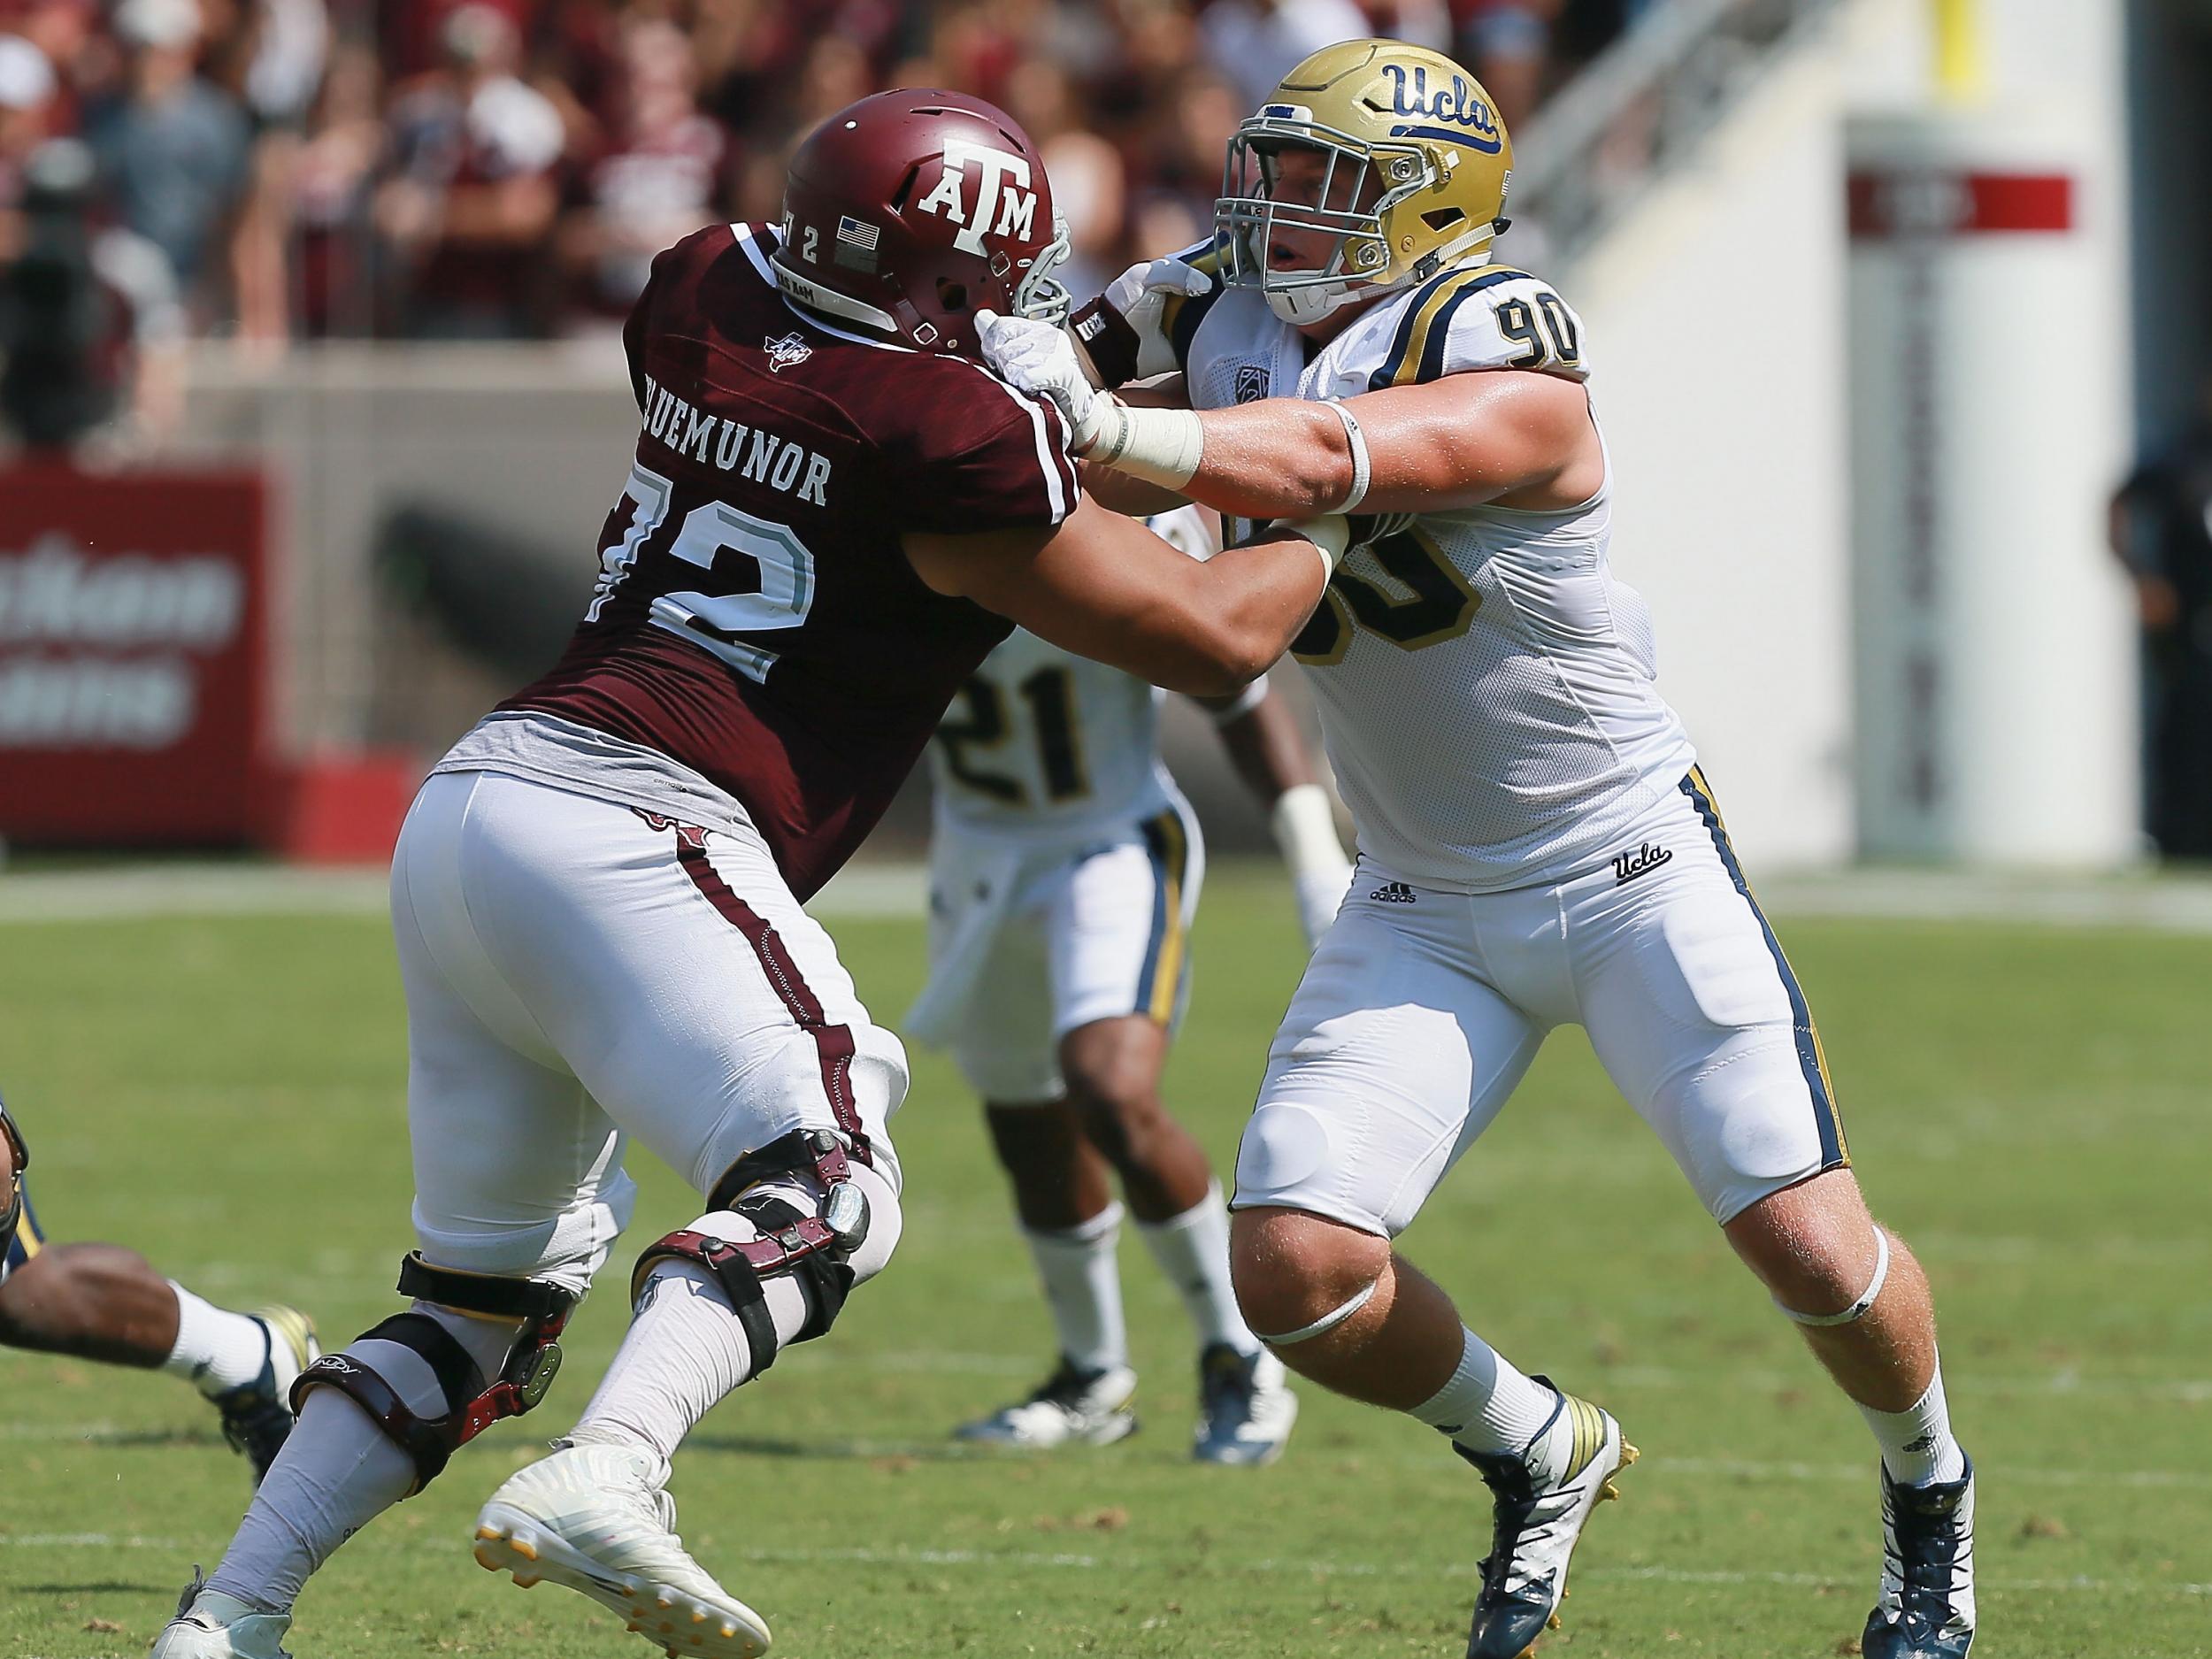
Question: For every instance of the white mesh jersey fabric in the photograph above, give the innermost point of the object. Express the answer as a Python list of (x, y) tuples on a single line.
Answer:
[(1495, 721), (1045, 745)]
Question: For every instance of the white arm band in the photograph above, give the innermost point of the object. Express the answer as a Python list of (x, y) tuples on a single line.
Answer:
[(1357, 438), (1304, 823), (1160, 446)]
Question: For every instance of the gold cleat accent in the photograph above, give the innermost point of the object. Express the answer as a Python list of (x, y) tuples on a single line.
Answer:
[(1629, 1454)]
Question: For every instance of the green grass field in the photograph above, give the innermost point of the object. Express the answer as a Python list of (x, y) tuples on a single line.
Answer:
[(2030, 1106)]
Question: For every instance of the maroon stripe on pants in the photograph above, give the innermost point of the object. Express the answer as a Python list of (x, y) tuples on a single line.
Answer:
[(832, 1044)]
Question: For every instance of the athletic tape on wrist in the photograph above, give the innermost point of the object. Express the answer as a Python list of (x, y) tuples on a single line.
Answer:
[(1160, 446), (1360, 467), (1326, 1323), (1858, 1310), (1304, 826)]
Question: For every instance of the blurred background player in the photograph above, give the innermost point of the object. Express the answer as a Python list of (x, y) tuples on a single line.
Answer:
[(2161, 532), (833, 511), (1537, 845), (1065, 869), (100, 1302)]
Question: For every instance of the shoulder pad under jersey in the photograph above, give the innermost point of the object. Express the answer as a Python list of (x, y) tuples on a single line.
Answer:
[(1487, 317)]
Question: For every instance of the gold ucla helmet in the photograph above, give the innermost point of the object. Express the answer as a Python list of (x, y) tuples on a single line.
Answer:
[(1417, 167)]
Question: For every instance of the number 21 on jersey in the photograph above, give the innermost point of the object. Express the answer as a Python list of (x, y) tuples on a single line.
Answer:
[(776, 594)]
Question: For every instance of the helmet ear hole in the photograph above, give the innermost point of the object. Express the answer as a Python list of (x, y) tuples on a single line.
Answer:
[(1442, 219), (952, 295)]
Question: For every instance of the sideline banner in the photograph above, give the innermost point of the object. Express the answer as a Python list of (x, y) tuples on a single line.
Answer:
[(133, 656)]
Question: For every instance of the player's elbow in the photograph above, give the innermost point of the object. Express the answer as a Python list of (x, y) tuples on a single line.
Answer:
[(1318, 475), (1239, 656), (1218, 662)]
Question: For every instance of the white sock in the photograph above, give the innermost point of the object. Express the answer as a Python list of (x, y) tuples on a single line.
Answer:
[(338, 1471), (1192, 1250), (1917, 1445), (1082, 1280), (686, 1350), (217, 1350), (1487, 1406)]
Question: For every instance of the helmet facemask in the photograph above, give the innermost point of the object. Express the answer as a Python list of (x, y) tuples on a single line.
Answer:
[(1359, 263), (1039, 295)]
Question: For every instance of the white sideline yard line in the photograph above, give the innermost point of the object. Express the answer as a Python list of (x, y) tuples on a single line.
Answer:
[(1268, 1566), (1714, 1468), (882, 890)]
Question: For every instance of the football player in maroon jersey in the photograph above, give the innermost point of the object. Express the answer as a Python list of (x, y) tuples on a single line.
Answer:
[(834, 511)]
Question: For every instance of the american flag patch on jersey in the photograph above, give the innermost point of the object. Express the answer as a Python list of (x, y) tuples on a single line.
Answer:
[(856, 245)]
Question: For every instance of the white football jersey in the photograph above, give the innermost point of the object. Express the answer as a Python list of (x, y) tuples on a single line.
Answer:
[(1043, 744), (1487, 686)]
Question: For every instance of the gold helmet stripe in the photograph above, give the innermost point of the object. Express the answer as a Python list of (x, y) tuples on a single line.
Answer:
[(1416, 351)]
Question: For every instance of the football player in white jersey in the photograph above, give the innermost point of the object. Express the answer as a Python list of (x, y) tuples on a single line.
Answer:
[(1065, 868), (1537, 846)]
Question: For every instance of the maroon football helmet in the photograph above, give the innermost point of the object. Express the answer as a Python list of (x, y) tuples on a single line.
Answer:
[(908, 212)]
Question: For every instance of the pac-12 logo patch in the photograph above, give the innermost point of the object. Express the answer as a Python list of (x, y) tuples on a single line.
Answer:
[(786, 353), (1251, 382)]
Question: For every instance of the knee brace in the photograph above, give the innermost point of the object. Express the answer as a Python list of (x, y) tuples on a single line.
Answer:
[(473, 1403), (1858, 1310), (814, 1249), (1327, 1322)]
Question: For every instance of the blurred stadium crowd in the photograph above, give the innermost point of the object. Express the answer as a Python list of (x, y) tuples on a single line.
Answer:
[(505, 169)]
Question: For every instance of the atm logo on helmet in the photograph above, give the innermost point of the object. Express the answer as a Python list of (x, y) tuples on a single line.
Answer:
[(1473, 122), (1002, 188)]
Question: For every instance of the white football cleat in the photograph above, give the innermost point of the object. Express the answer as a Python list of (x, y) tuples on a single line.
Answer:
[(211, 1625), (597, 1519), (1245, 1407), (1070, 1408), (1541, 1499)]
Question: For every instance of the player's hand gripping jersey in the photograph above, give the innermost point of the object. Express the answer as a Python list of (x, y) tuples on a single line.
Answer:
[(756, 620), (1485, 683)]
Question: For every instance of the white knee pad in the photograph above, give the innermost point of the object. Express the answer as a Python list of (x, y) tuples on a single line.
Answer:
[(1858, 1310), (1326, 1323)]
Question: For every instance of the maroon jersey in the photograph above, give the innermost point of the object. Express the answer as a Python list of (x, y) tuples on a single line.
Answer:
[(755, 617)]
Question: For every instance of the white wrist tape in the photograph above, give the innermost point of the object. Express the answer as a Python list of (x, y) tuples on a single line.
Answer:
[(1160, 446), (1329, 533), (1360, 467), (1858, 1310), (1304, 823), (1326, 1323)]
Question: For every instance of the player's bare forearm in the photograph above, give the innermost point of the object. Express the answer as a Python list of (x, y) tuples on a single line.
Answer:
[(1132, 497), (1454, 442), (1106, 588), (1264, 745)]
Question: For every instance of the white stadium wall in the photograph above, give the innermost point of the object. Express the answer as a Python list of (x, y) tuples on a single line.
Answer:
[(1718, 315), (1713, 315)]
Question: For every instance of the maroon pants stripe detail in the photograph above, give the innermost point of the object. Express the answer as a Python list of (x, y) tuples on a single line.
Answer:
[(832, 1044)]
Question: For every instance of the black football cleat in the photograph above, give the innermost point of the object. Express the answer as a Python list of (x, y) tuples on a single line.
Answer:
[(1926, 1609)]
